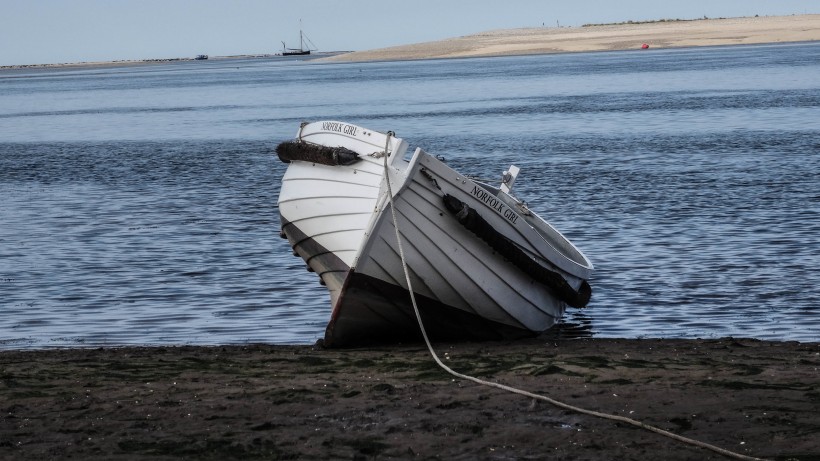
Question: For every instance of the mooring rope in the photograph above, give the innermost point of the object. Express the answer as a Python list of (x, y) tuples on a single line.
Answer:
[(514, 390)]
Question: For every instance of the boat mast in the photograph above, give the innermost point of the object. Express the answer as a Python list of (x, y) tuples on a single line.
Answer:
[(301, 44)]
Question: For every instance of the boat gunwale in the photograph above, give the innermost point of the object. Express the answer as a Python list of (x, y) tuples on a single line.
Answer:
[(570, 266)]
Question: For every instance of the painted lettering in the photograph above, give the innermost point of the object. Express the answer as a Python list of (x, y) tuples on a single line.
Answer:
[(493, 202), (510, 215), (337, 127)]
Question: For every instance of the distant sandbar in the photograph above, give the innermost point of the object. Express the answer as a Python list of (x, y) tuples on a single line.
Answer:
[(547, 40), (605, 37)]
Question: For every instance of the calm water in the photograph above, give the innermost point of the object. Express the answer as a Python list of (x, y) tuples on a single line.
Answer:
[(138, 204)]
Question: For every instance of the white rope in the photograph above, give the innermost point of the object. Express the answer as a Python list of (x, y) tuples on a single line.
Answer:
[(514, 390)]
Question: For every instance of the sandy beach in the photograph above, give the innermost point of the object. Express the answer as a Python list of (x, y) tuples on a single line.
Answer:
[(660, 34), (752, 397)]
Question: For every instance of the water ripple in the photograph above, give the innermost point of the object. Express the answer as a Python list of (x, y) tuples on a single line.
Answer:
[(138, 205)]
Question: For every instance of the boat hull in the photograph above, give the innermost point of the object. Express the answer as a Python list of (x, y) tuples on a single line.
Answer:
[(465, 285), (369, 310)]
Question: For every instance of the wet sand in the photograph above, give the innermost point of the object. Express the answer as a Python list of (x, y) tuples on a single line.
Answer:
[(754, 397), (659, 34)]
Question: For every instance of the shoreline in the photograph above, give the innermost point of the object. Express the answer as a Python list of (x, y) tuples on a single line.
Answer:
[(657, 34), (146, 62), (758, 398), (661, 34)]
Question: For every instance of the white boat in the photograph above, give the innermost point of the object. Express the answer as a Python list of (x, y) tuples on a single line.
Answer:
[(481, 264)]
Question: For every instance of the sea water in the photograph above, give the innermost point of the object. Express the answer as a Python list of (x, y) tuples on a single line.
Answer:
[(138, 203)]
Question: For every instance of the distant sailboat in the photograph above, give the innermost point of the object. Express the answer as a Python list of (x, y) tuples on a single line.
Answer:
[(301, 50)]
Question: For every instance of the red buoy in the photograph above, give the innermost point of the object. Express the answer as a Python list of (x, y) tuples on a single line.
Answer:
[(644, 46)]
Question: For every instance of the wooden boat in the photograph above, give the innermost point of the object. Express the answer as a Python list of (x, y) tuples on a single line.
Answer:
[(301, 51), (481, 264)]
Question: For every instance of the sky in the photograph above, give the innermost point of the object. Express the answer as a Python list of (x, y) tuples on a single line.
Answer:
[(68, 31)]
